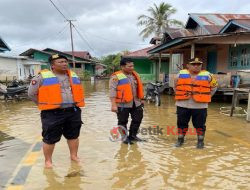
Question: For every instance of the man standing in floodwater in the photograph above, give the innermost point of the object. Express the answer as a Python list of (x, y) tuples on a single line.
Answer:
[(126, 94), (59, 95), (193, 91)]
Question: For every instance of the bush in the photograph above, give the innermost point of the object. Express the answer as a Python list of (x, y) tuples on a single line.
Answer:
[(86, 75)]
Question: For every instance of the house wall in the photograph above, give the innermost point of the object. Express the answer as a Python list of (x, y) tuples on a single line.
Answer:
[(143, 66), (146, 69), (90, 68), (202, 54), (222, 58), (17, 68), (8, 68), (27, 68), (39, 56)]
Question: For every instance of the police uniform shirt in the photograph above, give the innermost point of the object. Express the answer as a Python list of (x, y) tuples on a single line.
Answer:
[(65, 89), (133, 82)]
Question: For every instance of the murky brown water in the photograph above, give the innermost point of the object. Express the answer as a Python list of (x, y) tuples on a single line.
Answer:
[(155, 164)]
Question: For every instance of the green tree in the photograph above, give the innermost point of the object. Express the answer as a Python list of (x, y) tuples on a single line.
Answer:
[(158, 21), (116, 61), (108, 60), (113, 61)]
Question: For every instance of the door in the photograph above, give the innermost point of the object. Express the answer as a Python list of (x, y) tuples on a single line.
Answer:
[(212, 61)]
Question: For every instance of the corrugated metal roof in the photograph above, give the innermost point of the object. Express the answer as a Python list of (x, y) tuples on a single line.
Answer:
[(236, 25), (30, 52), (213, 29), (211, 24), (181, 33), (178, 41), (67, 54), (82, 54), (216, 19), (243, 22)]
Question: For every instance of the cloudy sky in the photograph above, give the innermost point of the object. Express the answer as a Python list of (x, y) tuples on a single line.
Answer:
[(105, 26)]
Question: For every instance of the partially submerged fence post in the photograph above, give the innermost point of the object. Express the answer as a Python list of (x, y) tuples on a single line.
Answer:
[(234, 101), (248, 107)]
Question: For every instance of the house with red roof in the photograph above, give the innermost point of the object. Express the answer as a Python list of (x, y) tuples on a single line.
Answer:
[(148, 65)]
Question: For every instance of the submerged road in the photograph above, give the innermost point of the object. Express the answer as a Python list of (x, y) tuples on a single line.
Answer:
[(223, 164)]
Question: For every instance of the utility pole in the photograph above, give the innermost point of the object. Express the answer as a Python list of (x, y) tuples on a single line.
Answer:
[(72, 43)]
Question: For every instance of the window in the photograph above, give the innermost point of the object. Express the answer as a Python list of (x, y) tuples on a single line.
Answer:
[(78, 65), (245, 57), (233, 57), (239, 57)]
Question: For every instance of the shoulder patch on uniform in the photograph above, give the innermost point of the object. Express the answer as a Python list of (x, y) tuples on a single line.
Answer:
[(33, 82)]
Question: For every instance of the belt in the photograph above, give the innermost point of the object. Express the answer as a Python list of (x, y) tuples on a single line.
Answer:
[(70, 109)]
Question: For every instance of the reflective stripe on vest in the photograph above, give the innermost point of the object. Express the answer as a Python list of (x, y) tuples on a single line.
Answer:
[(124, 89), (199, 88), (49, 94)]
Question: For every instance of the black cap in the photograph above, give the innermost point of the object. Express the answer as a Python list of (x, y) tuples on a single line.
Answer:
[(125, 60), (57, 56), (195, 60)]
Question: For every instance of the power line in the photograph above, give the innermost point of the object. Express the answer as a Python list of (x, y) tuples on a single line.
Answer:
[(82, 37), (64, 8), (58, 10), (71, 34)]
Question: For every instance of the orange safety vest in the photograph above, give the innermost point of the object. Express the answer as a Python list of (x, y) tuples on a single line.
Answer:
[(199, 88), (49, 93), (124, 89)]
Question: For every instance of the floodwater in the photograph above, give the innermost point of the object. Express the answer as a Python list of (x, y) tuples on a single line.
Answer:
[(224, 163)]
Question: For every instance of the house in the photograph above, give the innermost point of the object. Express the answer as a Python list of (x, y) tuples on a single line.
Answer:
[(222, 41), (81, 63), (142, 64), (3, 46), (18, 67), (99, 69), (90, 66), (148, 65)]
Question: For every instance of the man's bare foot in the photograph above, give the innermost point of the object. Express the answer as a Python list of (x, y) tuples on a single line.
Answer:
[(48, 165), (75, 158)]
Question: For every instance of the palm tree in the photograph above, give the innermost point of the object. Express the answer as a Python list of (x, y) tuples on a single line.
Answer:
[(158, 21)]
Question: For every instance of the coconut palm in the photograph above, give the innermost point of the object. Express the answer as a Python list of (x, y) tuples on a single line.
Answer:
[(158, 21)]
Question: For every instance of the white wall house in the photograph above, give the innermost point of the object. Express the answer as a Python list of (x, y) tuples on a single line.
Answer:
[(18, 67), (100, 68)]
